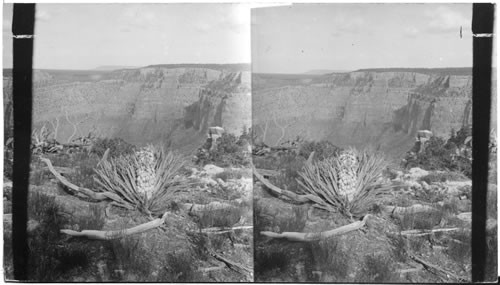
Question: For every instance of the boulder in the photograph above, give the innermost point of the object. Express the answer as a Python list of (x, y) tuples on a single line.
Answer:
[(215, 131), (464, 205), (466, 217), (458, 188), (425, 185), (424, 134), (212, 170), (413, 184), (416, 173), (207, 181)]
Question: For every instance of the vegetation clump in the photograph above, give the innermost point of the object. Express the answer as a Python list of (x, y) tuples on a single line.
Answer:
[(377, 269), (453, 154), (349, 183), (322, 149), (143, 184), (116, 146), (230, 150)]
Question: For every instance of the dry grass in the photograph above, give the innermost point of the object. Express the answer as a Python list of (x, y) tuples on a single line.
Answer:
[(331, 260), (377, 269)]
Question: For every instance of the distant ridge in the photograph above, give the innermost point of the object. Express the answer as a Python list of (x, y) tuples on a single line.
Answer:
[(226, 66), (439, 71), (325, 71), (114, 67)]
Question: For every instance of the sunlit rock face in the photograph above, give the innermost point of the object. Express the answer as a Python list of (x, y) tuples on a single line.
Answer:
[(174, 104), (381, 108)]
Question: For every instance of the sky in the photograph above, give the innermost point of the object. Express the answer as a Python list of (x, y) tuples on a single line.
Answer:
[(86, 36), (303, 37)]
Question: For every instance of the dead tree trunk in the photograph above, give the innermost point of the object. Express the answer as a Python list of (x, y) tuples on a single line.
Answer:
[(308, 237)]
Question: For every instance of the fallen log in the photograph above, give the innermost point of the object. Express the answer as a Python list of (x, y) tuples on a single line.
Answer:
[(219, 230), (215, 205), (61, 170), (408, 270), (426, 232), (436, 269), (214, 268), (397, 211), (268, 172), (308, 237), (232, 264), (283, 148), (293, 196), (116, 234), (99, 196)]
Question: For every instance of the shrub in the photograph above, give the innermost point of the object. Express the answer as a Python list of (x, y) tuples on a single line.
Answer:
[(459, 246), (229, 174), (38, 177), (348, 184), (322, 149), (440, 154), (269, 259), (491, 270), (226, 217), (289, 165), (179, 268), (144, 180), (129, 256), (229, 151), (296, 222), (8, 256), (117, 147), (443, 177), (331, 259), (8, 164), (429, 195), (422, 221), (44, 263), (84, 174), (95, 220), (41, 206), (200, 242), (377, 269), (398, 246)]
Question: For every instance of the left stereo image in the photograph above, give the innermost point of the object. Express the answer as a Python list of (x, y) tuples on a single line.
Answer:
[(140, 161)]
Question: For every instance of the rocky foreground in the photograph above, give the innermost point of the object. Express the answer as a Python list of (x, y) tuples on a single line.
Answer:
[(420, 233), (206, 236)]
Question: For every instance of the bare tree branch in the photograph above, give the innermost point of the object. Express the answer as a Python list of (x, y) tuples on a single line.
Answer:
[(436, 269), (295, 197), (99, 196), (308, 237), (232, 264), (104, 157), (109, 235)]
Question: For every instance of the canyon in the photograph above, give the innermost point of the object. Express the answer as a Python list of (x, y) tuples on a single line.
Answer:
[(381, 108), (174, 104)]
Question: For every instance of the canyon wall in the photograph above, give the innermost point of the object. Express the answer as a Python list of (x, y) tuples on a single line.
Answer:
[(383, 109), (154, 104)]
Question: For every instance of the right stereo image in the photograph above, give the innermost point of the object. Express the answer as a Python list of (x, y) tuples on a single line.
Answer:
[(362, 144)]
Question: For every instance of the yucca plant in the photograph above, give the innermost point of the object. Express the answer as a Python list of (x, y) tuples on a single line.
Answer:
[(348, 183), (145, 180)]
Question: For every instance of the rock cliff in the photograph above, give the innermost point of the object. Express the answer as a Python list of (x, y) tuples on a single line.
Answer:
[(382, 108), (175, 103)]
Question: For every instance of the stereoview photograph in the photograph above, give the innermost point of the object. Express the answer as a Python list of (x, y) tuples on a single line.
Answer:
[(362, 154), (140, 163)]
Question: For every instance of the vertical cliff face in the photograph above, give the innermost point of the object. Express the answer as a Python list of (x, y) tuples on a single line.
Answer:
[(384, 109), (141, 105)]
